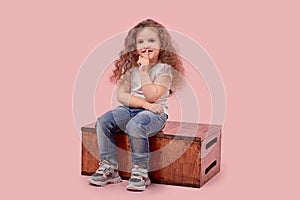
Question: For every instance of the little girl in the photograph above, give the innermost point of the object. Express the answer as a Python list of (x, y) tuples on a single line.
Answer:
[(147, 72)]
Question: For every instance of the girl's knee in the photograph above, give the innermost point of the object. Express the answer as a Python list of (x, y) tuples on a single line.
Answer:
[(140, 125), (135, 129), (104, 121)]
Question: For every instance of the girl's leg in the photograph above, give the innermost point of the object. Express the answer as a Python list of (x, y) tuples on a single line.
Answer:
[(107, 125), (139, 128)]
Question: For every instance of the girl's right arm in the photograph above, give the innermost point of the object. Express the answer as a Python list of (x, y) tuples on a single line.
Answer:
[(127, 99)]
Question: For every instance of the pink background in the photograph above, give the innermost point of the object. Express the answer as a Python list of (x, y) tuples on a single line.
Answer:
[(255, 46)]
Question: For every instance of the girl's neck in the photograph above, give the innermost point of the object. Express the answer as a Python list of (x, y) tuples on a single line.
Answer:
[(154, 62)]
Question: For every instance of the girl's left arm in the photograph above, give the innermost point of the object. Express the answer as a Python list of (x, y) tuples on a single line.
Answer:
[(124, 96), (154, 90), (127, 99)]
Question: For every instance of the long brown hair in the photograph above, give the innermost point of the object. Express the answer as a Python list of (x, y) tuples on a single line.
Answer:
[(128, 56)]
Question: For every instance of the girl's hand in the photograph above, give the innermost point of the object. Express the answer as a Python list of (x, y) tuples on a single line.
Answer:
[(153, 107), (143, 60)]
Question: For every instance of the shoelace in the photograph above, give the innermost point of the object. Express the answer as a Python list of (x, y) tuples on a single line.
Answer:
[(133, 176), (104, 169)]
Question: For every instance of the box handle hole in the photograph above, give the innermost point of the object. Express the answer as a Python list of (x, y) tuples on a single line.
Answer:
[(210, 166), (210, 143)]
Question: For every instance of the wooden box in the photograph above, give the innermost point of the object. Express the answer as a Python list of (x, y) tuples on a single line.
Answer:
[(185, 154)]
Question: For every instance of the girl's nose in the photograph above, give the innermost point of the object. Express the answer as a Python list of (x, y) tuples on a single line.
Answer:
[(146, 46)]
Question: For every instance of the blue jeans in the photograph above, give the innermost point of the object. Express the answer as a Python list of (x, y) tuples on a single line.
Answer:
[(139, 124)]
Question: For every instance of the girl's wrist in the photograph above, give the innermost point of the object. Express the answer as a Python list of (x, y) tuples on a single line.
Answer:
[(146, 105), (143, 68)]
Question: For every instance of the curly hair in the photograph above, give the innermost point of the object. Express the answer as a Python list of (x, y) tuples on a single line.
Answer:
[(128, 56)]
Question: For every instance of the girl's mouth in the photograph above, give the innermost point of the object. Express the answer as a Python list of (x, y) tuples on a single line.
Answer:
[(147, 51)]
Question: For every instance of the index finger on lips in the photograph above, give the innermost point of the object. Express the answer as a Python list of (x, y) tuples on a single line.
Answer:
[(145, 53)]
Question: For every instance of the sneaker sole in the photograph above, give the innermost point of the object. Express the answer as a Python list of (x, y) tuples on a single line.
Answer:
[(100, 183), (133, 187)]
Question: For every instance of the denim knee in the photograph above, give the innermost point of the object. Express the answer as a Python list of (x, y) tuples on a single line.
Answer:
[(136, 129), (104, 123)]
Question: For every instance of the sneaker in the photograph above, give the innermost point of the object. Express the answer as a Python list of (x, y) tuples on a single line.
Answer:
[(139, 179), (106, 173)]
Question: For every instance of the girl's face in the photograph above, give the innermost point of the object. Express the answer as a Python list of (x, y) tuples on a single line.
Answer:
[(148, 44)]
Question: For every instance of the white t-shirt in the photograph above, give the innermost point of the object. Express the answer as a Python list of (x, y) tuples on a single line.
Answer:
[(160, 69)]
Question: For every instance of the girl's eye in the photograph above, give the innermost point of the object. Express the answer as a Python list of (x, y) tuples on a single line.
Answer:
[(151, 40), (140, 41)]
